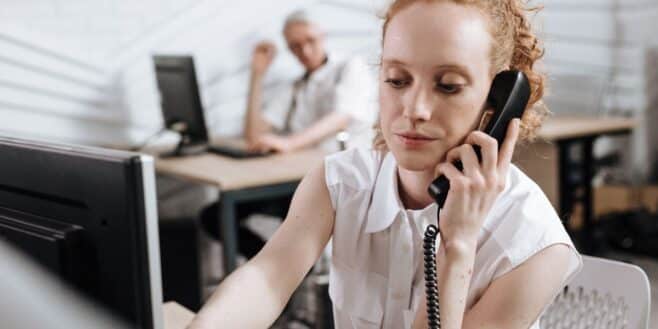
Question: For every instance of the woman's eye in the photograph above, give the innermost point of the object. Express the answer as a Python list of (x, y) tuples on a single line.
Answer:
[(397, 83), (448, 88)]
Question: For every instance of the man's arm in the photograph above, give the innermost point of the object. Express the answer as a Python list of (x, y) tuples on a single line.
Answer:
[(323, 128), (350, 101), (352, 95), (327, 126), (255, 294), (255, 124)]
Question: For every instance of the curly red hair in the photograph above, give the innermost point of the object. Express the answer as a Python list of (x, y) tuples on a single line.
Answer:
[(515, 46)]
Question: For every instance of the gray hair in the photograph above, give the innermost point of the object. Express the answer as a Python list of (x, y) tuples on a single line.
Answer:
[(300, 16)]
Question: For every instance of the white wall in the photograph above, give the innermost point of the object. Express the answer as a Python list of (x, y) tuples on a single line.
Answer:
[(57, 71), (596, 56), (80, 70)]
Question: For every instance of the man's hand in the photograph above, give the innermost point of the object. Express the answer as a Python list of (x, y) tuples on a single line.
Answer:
[(274, 143), (262, 57)]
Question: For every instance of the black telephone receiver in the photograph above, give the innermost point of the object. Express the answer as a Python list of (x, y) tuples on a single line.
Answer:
[(509, 95)]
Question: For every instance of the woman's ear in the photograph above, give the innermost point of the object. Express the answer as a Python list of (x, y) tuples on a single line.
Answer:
[(487, 114)]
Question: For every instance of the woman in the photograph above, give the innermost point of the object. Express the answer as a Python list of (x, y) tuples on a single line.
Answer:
[(502, 254)]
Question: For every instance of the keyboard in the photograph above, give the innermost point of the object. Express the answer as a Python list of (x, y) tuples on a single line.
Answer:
[(235, 152)]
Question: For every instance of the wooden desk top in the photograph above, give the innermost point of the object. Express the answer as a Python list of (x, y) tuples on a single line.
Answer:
[(232, 174), (176, 316), (563, 127)]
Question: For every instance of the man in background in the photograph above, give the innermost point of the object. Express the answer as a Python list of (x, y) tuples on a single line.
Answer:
[(335, 94)]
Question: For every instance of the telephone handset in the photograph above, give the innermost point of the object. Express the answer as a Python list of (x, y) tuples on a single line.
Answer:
[(509, 95)]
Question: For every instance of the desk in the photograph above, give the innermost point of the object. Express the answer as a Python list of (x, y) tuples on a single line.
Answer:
[(544, 163), (241, 180)]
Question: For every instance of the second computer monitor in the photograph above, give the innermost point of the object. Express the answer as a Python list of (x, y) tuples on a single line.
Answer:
[(179, 97)]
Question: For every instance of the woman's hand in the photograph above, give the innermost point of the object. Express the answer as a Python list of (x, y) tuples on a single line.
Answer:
[(473, 191)]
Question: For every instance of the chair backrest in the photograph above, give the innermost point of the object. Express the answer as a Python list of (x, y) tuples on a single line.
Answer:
[(606, 294)]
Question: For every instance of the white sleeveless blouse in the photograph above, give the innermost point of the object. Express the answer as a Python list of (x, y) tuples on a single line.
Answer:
[(376, 263)]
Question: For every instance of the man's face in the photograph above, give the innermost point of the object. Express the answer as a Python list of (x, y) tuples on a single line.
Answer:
[(306, 42)]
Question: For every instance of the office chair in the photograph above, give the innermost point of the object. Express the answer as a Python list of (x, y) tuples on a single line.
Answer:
[(606, 294)]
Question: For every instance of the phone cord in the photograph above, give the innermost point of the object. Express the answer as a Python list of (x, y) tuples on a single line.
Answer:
[(431, 286)]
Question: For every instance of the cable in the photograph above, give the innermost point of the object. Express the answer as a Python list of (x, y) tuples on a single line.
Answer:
[(179, 126), (149, 140), (431, 282)]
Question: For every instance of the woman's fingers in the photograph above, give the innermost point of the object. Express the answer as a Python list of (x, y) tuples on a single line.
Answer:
[(488, 150), (466, 155), (494, 162), (451, 172), (507, 149)]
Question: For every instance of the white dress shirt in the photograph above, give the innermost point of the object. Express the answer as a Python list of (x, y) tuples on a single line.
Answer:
[(341, 84), (376, 276)]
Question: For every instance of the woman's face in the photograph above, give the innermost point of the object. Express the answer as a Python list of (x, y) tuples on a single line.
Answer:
[(434, 80)]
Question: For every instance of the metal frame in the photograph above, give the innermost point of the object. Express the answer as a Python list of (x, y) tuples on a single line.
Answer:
[(228, 201), (579, 189)]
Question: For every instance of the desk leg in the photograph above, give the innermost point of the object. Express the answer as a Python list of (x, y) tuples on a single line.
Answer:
[(229, 231), (588, 176), (577, 187), (570, 183), (566, 189)]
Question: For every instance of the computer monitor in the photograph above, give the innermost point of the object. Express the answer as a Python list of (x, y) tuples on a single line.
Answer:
[(182, 110), (89, 215), (179, 97)]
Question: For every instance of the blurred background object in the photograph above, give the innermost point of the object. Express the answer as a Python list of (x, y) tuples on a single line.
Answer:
[(33, 299)]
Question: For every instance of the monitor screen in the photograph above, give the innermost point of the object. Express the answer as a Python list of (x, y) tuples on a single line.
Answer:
[(32, 298), (179, 97), (89, 216)]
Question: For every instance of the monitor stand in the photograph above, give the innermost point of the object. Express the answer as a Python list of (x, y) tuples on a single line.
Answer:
[(186, 148)]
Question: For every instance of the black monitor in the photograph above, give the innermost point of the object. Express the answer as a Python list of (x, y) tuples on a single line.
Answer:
[(182, 110), (179, 97), (89, 215)]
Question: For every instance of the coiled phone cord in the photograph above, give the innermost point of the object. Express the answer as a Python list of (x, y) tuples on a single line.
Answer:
[(431, 282)]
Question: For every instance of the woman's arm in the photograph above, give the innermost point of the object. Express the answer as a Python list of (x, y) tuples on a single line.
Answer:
[(454, 271), (515, 299), (255, 294), (472, 193), (512, 301)]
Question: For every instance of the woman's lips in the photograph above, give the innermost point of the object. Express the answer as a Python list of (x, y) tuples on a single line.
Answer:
[(414, 140)]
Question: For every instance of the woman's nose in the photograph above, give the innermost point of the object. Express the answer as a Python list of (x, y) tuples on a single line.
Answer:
[(420, 105)]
